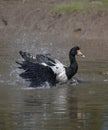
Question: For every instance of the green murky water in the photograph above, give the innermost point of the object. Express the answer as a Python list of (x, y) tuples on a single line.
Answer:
[(66, 107), (83, 107)]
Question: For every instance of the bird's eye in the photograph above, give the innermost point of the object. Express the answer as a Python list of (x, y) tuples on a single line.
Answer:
[(56, 67)]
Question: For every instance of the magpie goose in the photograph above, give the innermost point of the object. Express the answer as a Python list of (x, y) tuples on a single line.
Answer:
[(42, 69)]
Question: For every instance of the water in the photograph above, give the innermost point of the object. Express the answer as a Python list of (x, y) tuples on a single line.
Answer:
[(65, 107), (82, 106)]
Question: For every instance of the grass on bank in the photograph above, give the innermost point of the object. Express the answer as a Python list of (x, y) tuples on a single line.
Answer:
[(77, 6)]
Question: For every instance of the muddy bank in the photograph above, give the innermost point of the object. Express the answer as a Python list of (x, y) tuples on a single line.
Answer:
[(30, 25)]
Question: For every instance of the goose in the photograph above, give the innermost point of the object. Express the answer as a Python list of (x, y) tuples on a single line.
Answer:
[(43, 69)]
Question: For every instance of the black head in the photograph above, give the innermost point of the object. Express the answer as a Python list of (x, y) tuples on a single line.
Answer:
[(76, 51)]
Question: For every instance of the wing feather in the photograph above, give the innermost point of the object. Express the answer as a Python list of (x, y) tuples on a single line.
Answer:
[(44, 60)]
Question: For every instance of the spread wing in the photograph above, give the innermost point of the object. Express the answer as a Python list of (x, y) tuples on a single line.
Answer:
[(57, 67), (35, 72), (41, 65), (54, 64)]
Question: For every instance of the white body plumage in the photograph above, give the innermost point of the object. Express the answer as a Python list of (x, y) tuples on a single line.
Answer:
[(59, 69)]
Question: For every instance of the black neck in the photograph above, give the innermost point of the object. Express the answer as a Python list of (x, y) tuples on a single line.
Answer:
[(72, 59), (72, 69)]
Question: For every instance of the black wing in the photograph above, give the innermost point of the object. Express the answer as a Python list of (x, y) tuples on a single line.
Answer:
[(27, 57), (35, 72), (40, 58), (45, 59)]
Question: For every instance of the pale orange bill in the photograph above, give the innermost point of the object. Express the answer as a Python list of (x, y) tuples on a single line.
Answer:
[(79, 53)]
